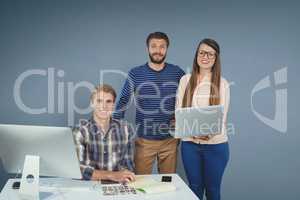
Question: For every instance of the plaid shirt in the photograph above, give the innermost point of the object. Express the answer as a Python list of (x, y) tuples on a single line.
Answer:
[(112, 151)]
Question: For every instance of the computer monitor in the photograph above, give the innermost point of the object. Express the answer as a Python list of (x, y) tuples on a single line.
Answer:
[(54, 145)]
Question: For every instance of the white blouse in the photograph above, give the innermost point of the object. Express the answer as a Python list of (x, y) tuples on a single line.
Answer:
[(201, 99)]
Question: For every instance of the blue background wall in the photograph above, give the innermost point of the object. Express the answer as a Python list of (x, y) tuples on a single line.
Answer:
[(81, 38)]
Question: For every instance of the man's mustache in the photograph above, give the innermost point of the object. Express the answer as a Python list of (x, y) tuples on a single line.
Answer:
[(154, 54)]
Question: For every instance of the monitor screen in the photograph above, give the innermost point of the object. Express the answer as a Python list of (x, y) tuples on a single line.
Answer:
[(54, 145)]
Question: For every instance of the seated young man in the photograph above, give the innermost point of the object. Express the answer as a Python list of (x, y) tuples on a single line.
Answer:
[(105, 146)]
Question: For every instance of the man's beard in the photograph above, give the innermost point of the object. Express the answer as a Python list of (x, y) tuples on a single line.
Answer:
[(153, 60)]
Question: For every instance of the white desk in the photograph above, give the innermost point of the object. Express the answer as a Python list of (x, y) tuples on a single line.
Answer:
[(64, 189)]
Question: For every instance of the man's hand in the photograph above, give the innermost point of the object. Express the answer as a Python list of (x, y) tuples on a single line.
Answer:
[(123, 176)]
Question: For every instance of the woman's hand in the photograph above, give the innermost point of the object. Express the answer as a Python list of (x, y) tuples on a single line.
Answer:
[(205, 137)]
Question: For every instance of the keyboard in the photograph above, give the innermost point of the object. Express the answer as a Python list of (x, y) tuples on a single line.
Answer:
[(118, 189), (72, 185)]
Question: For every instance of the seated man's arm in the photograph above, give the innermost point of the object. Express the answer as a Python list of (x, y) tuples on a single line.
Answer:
[(128, 160), (127, 164), (80, 137)]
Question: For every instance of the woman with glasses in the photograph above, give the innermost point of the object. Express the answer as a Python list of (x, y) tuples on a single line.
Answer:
[(205, 157)]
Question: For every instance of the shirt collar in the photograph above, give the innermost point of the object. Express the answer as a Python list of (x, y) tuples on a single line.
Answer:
[(94, 129)]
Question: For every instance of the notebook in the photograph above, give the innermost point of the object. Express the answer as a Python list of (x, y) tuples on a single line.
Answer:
[(150, 186)]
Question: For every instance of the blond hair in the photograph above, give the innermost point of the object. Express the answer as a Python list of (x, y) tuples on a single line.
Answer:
[(105, 88)]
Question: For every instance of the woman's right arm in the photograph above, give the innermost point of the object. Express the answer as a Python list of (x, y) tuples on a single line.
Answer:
[(180, 91)]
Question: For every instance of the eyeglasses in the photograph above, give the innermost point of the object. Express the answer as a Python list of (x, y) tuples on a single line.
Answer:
[(210, 55)]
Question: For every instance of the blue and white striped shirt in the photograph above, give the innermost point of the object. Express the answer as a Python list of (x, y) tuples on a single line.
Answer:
[(154, 93)]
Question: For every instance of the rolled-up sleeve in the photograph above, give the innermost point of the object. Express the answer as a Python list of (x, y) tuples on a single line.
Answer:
[(128, 160), (81, 147)]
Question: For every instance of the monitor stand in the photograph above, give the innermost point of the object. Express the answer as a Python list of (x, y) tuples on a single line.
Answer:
[(29, 187)]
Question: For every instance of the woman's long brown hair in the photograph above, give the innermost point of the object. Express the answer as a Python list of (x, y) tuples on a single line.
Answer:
[(214, 98)]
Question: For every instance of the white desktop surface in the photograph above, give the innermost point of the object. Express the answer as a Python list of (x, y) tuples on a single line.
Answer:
[(65, 189)]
